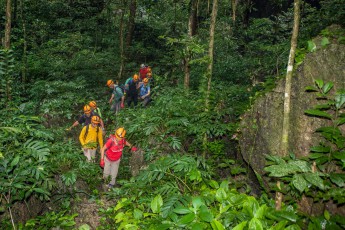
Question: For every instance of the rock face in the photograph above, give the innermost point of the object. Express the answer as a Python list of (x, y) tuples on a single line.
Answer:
[(262, 125)]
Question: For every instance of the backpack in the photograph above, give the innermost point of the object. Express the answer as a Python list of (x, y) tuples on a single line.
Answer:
[(122, 87), (87, 131)]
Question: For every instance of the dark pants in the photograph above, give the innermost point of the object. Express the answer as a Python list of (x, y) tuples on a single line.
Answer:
[(131, 98)]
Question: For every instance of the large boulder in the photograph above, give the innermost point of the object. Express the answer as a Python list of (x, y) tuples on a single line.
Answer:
[(262, 125)]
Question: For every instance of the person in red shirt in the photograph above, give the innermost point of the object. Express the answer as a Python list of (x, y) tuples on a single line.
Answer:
[(111, 154), (143, 71)]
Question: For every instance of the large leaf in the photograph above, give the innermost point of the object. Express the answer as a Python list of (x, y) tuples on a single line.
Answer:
[(187, 219), (311, 46), (205, 214), (182, 210), (216, 225), (339, 100), (255, 224), (315, 180), (318, 113), (338, 179), (320, 149), (299, 182), (240, 226), (156, 204), (327, 87)]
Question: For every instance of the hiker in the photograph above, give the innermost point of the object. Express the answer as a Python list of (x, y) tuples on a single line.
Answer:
[(95, 108), (111, 154), (85, 119), (145, 92), (151, 81), (131, 86), (117, 96), (89, 136), (143, 71)]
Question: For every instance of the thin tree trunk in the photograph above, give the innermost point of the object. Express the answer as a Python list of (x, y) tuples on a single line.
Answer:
[(284, 148), (7, 43), (191, 32), (24, 60), (210, 65), (122, 54), (287, 95), (234, 5), (211, 51), (131, 22)]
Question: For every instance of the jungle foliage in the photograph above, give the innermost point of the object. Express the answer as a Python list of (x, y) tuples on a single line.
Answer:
[(63, 52)]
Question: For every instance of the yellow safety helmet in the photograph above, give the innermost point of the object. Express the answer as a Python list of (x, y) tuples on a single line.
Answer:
[(120, 133), (110, 82), (95, 119), (146, 80), (135, 77), (87, 109), (92, 104)]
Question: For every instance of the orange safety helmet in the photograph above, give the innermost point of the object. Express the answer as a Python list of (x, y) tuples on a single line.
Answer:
[(95, 119), (92, 104), (149, 74), (146, 80), (135, 77), (120, 133), (87, 109), (110, 82)]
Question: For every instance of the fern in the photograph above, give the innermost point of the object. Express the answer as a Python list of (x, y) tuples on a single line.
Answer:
[(173, 201)]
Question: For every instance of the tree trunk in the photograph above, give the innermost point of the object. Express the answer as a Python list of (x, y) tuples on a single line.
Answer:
[(24, 60), (211, 51), (191, 32), (284, 148), (7, 43), (287, 96), (210, 65), (234, 5), (122, 54), (131, 22)]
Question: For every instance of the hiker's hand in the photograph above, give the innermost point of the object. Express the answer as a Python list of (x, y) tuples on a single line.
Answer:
[(101, 163), (134, 149)]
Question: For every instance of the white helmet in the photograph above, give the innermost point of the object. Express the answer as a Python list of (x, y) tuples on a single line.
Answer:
[(142, 65)]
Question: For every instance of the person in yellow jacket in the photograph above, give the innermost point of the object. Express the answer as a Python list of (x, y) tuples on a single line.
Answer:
[(89, 136)]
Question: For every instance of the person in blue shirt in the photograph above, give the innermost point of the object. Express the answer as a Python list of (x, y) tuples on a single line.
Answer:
[(144, 93)]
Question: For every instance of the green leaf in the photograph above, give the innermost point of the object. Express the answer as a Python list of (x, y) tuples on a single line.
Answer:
[(319, 83), (84, 227), (213, 184), (311, 46), (339, 155), (315, 155), (240, 226), (287, 215), (327, 87), (318, 113), (320, 149), (205, 214), (339, 100), (15, 161), (326, 215), (137, 214), (255, 224), (314, 179), (156, 204), (197, 226), (324, 41), (187, 218), (182, 210), (197, 202), (221, 195), (299, 182), (338, 122), (310, 89), (216, 225), (337, 179)]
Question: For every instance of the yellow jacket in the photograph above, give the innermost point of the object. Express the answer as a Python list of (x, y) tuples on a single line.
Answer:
[(91, 136)]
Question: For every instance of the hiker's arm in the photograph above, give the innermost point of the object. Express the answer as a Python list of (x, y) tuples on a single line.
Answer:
[(100, 138), (81, 136), (111, 98)]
